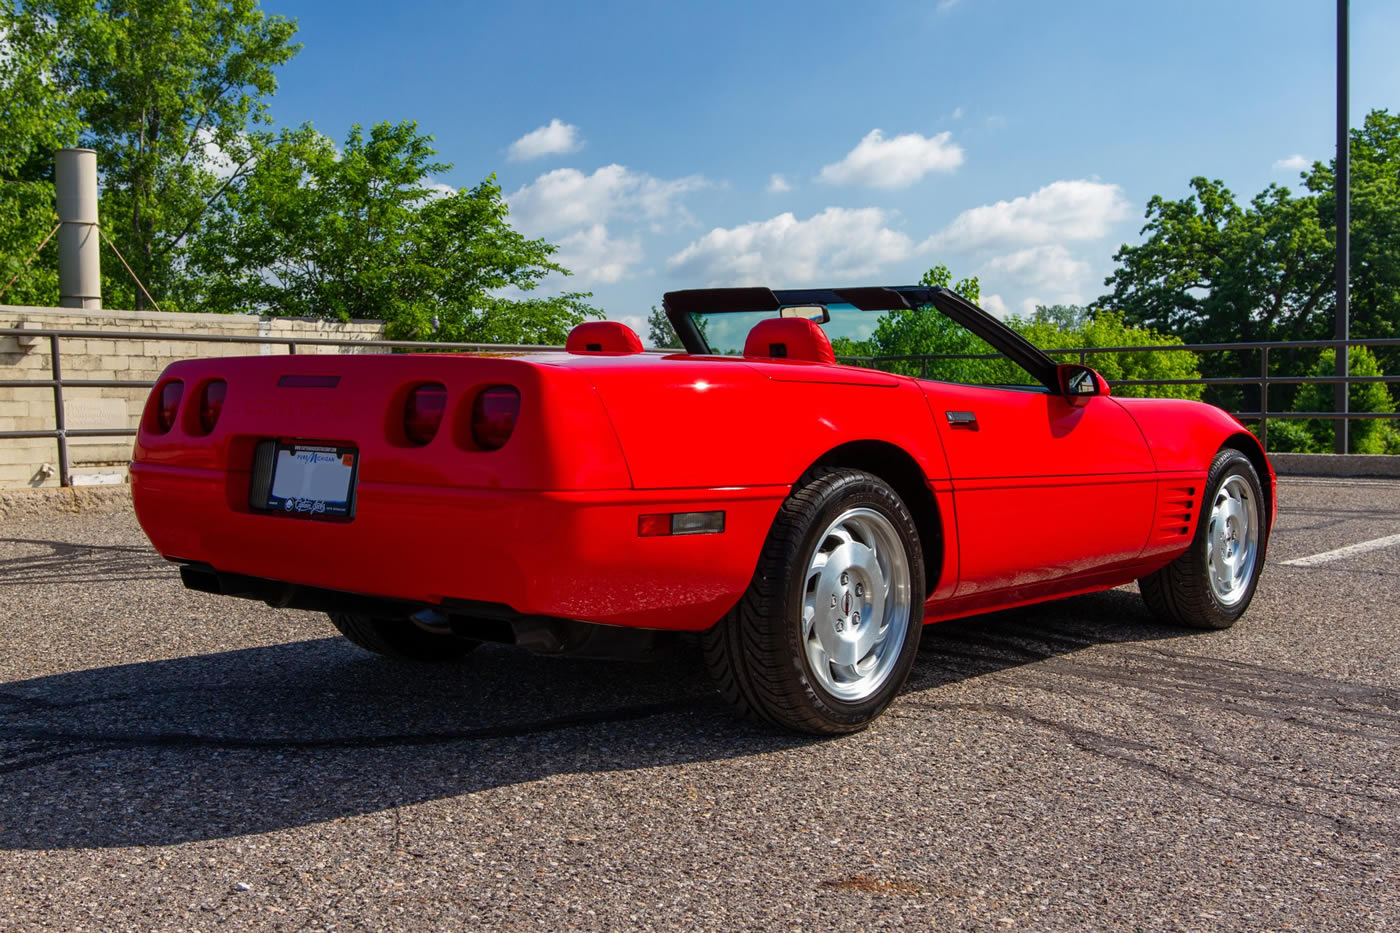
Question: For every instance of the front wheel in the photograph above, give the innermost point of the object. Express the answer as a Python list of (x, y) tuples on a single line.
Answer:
[(829, 627), (1211, 585)]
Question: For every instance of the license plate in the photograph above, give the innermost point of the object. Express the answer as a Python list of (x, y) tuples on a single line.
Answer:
[(313, 480)]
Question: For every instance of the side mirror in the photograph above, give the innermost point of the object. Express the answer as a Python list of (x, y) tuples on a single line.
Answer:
[(1078, 381)]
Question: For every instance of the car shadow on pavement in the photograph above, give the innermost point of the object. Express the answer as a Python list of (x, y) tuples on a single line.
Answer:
[(268, 738)]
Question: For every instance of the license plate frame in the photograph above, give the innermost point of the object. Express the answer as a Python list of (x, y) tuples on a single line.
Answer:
[(313, 480)]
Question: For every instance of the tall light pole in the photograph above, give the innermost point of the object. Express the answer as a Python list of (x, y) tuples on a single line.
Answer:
[(1343, 323)]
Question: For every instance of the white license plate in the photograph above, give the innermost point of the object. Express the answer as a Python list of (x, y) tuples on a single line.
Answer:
[(314, 480)]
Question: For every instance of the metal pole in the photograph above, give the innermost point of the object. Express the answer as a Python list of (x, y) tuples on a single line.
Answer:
[(59, 423), (1264, 397), (79, 243), (1343, 328)]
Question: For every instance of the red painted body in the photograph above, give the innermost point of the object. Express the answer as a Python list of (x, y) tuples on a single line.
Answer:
[(1047, 496)]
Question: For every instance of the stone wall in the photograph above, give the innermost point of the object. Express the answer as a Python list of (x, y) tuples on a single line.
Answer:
[(34, 462)]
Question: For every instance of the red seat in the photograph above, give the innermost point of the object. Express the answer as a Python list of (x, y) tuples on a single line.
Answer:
[(793, 338), (603, 337)]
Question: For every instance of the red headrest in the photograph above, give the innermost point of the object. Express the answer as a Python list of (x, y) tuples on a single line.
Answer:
[(603, 337), (793, 338)]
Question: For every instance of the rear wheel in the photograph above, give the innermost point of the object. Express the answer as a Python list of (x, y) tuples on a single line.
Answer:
[(400, 638), (1211, 585), (825, 635)]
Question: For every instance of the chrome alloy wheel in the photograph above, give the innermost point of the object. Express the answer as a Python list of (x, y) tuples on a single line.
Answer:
[(856, 604), (1232, 540)]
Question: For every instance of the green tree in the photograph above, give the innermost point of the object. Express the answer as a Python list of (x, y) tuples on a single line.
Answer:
[(1068, 317), (1108, 329), (170, 93), (659, 330), (37, 119), (1366, 436), (360, 233), (1211, 270)]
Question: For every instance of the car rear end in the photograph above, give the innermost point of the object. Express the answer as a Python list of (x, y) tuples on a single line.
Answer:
[(476, 484)]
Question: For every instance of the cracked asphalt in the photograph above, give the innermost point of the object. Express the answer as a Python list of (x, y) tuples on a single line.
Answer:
[(173, 760)]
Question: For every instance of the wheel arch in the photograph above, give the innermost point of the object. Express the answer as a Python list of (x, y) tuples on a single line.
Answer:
[(896, 466), (1248, 445)]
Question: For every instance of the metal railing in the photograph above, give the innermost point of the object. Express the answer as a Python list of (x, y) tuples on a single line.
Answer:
[(60, 433)]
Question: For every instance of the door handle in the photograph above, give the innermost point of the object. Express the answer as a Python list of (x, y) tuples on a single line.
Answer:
[(963, 419)]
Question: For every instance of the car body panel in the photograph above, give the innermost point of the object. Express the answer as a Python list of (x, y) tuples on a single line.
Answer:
[(1044, 487)]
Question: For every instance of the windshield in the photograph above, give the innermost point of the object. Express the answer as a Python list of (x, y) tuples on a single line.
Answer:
[(921, 342)]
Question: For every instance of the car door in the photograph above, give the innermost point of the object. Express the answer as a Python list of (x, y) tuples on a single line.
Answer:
[(1044, 487)]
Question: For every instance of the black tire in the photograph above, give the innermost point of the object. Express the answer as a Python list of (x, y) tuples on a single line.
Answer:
[(400, 638), (1181, 592), (755, 653)]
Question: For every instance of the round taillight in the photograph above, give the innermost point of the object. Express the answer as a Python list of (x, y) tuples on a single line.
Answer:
[(169, 405), (211, 403), (422, 412), (493, 416)]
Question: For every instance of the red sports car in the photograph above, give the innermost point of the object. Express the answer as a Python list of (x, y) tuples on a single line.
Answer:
[(804, 517)]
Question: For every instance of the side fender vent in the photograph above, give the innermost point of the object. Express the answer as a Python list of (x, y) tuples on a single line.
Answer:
[(1176, 512)]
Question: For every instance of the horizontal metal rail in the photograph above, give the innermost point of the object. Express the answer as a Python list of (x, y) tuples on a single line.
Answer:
[(61, 433)]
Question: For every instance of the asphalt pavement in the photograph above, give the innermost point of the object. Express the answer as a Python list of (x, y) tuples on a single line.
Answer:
[(173, 760)]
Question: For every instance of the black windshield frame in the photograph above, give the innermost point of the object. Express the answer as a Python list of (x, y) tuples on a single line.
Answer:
[(680, 305)]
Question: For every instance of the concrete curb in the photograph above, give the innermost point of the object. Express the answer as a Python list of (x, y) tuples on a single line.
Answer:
[(1376, 465), (17, 504)]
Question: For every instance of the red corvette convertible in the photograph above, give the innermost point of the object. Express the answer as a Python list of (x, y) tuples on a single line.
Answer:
[(805, 517)]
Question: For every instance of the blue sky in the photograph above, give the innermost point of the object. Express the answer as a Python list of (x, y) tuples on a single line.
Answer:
[(675, 145)]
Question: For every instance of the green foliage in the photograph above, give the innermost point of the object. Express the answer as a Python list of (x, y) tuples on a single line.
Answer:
[(660, 331), (926, 332), (1068, 317), (1108, 329), (360, 234), (1366, 436), (37, 119), (169, 93)]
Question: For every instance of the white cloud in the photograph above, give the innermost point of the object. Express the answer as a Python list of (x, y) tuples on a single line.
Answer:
[(958, 113), (994, 306), (1049, 269), (898, 162), (777, 184), (594, 256), (216, 159), (1294, 163), (945, 5), (1062, 210), (555, 139), (567, 199), (437, 189), (837, 244)]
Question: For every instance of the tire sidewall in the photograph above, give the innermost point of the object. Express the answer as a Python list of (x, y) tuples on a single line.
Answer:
[(855, 489), (1229, 463)]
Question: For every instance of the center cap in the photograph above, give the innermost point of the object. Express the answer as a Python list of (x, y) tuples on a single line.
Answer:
[(846, 605)]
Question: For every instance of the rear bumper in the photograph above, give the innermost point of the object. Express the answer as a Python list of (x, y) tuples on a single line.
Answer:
[(571, 555)]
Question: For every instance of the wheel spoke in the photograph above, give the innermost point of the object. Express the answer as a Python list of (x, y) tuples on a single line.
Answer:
[(856, 604)]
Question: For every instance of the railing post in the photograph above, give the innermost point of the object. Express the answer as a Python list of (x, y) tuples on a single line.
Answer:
[(1083, 358), (292, 348), (56, 370), (1264, 397)]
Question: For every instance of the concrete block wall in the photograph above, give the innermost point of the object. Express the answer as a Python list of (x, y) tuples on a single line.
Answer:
[(23, 462)]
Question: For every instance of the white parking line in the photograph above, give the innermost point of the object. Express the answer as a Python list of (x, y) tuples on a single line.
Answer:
[(1361, 548)]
